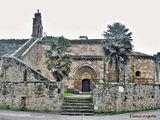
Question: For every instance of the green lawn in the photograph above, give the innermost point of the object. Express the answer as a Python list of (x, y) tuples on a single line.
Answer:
[(67, 94)]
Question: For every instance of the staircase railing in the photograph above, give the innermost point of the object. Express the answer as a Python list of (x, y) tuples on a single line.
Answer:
[(18, 53)]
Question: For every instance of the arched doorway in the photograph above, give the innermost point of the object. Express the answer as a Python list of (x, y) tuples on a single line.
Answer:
[(84, 76), (85, 85)]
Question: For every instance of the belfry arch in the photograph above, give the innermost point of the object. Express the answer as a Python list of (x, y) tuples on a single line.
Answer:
[(82, 74)]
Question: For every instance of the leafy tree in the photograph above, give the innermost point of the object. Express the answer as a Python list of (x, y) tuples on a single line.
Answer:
[(117, 46), (59, 59)]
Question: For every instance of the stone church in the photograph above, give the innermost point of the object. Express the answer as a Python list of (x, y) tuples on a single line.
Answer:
[(87, 63)]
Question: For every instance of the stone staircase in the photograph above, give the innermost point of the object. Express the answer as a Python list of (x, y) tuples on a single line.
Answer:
[(78, 105), (18, 53)]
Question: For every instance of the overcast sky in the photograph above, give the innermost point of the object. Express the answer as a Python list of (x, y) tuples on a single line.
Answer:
[(73, 18)]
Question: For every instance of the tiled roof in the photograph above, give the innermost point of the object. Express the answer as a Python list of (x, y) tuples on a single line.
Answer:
[(139, 54), (86, 41)]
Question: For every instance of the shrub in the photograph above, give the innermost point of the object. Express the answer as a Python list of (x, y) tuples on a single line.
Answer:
[(7, 107)]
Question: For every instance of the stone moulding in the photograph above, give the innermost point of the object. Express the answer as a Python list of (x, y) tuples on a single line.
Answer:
[(87, 57)]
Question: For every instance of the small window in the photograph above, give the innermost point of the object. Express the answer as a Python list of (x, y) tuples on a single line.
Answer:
[(138, 73), (25, 75)]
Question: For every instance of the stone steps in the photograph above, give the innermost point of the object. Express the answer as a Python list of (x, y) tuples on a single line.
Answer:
[(71, 107), (78, 110), (18, 53), (77, 106), (74, 113), (85, 93)]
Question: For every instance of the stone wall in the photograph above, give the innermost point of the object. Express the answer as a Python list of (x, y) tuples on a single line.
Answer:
[(78, 50), (157, 63), (9, 46), (143, 70), (92, 67), (41, 65), (86, 49), (118, 97), (16, 70), (36, 96), (22, 87)]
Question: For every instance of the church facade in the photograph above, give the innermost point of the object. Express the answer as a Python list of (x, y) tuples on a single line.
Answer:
[(87, 63), (88, 66)]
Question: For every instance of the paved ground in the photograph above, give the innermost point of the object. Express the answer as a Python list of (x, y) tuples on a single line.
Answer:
[(17, 115)]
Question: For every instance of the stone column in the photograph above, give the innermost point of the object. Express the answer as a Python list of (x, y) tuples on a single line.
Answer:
[(127, 73), (157, 67)]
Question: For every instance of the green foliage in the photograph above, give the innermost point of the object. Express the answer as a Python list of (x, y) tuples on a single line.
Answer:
[(91, 96), (24, 98), (106, 85), (67, 94), (7, 107), (115, 112), (46, 110), (117, 46), (61, 98), (8, 46), (61, 62)]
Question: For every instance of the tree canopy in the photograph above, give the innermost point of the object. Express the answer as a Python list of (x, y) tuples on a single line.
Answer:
[(117, 45), (60, 61)]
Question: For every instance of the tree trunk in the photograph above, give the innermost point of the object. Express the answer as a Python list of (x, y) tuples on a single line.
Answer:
[(117, 71), (124, 73), (104, 74)]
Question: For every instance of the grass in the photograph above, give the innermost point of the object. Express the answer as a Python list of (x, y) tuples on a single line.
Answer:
[(47, 110), (91, 96), (68, 94)]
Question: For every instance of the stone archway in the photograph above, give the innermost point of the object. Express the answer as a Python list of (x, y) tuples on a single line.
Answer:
[(84, 76)]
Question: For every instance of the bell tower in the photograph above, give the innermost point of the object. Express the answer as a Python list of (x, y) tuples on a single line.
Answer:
[(37, 29)]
